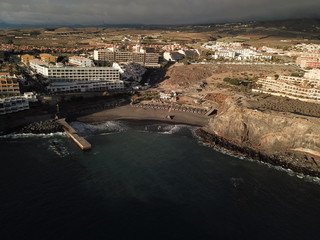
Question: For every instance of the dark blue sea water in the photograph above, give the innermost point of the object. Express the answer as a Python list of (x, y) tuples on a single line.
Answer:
[(146, 181)]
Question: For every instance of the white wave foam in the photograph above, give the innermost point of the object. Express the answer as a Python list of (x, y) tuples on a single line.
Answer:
[(58, 147), (104, 127), (171, 129), (32, 135), (290, 172)]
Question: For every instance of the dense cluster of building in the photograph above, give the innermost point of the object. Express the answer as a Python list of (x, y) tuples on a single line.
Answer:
[(311, 60), (235, 51), (10, 98), (28, 48), (79, 75), (143, 56), (307, 48), (9, 85), (307, 87)]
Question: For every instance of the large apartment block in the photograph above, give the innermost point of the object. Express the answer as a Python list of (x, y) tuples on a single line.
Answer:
[(74, 74), (9, 86), (143, 58), (90, 86), (13, 104), (25, 59), (288, 86), (48, 58), (309, 61), (81, 61)]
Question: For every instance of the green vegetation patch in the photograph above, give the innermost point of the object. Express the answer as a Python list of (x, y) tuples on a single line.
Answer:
[(281, 104), (233, 81)]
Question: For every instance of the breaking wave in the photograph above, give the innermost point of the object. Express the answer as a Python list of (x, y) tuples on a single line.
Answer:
[(288, 171), (58, 147), (86, 129), (32, 135), (180, 129)]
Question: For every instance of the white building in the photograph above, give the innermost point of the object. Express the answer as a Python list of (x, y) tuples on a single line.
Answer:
[(173, 56), (225, 53), (30, 96), (313, 74), (300, 81), (13, 104), (81, 61), (130, 70), (168, 95), (57, 73), (88, 86), (147, 59), (39, 66), (287, 88)]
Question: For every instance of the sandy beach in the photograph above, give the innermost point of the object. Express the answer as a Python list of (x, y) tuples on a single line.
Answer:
[(131, 113)]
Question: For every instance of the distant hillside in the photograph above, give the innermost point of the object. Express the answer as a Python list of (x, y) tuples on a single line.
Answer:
[(299, 25), (293, 25)]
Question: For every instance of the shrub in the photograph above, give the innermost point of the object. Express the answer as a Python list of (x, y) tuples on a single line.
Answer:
[(232, 81)]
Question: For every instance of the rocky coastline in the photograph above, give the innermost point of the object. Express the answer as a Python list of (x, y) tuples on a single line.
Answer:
[(299, 163), (235, 138), (42, 127)]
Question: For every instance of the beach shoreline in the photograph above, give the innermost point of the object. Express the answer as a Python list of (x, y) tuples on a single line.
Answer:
[(130, 113), (147, 115)]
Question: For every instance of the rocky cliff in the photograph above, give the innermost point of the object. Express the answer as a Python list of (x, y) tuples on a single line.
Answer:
[(269, 132)]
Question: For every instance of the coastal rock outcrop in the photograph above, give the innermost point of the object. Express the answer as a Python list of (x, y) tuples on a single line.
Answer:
[(268, 133)]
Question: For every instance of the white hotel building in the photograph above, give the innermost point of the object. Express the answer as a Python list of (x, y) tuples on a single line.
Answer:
[(88, 86), (56, 73), (81, 61), (285, 87), (13, 104)]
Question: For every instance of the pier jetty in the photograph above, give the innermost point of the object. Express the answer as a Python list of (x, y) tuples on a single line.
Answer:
[(72, 133)]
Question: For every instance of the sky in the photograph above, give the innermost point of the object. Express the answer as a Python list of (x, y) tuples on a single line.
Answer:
[(88, 12)]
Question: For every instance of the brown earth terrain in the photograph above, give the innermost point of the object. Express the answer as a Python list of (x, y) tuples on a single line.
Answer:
[(184, 76), (279, 34), (281, 131), (270, 133)]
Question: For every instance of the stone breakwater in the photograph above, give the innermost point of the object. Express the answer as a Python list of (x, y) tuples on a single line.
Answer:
[(42, 127), (297, 162)]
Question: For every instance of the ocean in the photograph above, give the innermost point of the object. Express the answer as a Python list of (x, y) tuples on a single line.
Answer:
[(145, 180)]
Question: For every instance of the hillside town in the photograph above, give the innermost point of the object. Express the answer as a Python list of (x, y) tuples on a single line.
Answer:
[(131, 63)]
